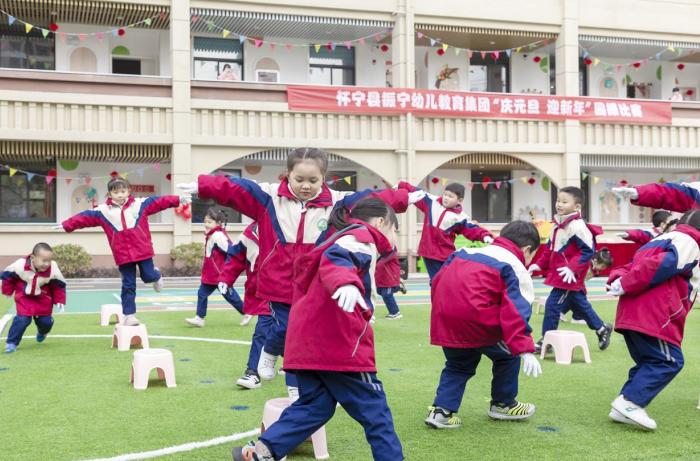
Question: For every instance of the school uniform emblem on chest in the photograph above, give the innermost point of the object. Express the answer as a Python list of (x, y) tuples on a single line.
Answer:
[(322, 224)]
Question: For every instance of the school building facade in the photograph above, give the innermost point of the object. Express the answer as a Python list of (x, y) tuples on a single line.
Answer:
[(165, 90)]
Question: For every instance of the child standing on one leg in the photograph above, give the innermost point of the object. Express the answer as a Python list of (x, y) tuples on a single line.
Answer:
[(443, 220), (216, 247), (657, 290), (481, 305), (330, 342), (38, 286), (243, 257), (388, 279), (566, 261)]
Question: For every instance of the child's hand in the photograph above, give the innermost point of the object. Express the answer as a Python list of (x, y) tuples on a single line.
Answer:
[(348, 296), (488, 239), (615, 288), (567, 275), (58, 227), (416, 196), (531, 367), (223, 288), (59, 308), (188, 187), (534, 268), (185, 198), (626, 192)]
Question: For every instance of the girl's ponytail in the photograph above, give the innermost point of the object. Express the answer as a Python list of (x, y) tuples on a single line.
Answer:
[(338, 218)]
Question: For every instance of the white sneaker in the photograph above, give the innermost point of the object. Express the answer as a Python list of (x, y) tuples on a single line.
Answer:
[(578, 322), (131, 321), (158, 285), (620, 418), (195, 321), (266, 365), (293, 394), (634, 412), (250, 380), (246, 319), (562, 318)]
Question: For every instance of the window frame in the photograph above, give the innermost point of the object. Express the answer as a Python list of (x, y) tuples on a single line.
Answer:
[(240, 61), (50, 188), (353, 68)]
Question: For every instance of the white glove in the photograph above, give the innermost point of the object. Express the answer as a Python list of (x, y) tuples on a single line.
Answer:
[(348, 296), (623, 235), (188, 187), (223, 288), (415, 196), (626, 192), (488, 239), (185, 198), (531, 367), (58, 227), (59, 308), (534, 268), (615, 288), (567, 275)]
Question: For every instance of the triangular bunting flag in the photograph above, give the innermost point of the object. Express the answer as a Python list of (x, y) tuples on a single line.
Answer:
[(509, 52), (524, 180), (156, 167), (147, 21), (258, 43), (62, 36), (362, 41), (596, 61), (332, 46), (82, 37), (445, 181), (347, 179), (68, 181), (517, 50), (100, 36), (596, 179), (584, 175), (225, 33), (419, 34), (470, 185), (498, 184), (317, 47), (483, 54), (13, 171), (671, 49), (88, 180), (470, 53), (272, 46), (28, 27), (495, 55), (210, 26), (30, 176), (347, 44), (124, 175), (11, 20), (115, 32), (432, 42), (288, 46), (445, 46), (485, 185), (45, 32), (48, 179), (457, 50)]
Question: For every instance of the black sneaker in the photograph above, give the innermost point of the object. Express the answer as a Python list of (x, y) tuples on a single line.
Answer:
[(538, 347), (402, 288), (248, 453), (604, 336), (250, 380)]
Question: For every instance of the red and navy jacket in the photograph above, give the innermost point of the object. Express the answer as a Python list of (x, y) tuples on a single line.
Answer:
[(216, 247), (287, 227), (126, 226), (243, 256), (388, 274), (671, 196), (483, 297), (35, 292), (571, 244), (441, 226), (643, 236), (660, 285), (321, 335)]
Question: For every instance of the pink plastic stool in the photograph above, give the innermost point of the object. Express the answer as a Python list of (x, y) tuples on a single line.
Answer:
[(273, 410), (564, 342), (146, 360), (109, 310), (124, 337)]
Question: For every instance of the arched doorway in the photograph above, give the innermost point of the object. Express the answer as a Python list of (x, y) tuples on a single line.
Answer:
[(83, 60)]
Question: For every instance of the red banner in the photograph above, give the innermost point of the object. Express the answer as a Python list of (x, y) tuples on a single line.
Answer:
[(395, 101)]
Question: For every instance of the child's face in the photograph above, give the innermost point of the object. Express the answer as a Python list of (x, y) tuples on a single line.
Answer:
[(528, 254), (450, 199), (566, 204), (670, 228), (387, 228), (598, 266), (306, 179), (119, 195), (42, 260), (209, 223)]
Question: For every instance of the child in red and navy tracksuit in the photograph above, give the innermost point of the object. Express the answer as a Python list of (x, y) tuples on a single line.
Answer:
[(330, 342), (566, 261), (124, 218), (481, 305), (657, 290), (216, 250), (443, 220), (388, 279), (660, 220), (37, 285), (243, 257), (292, 218), (671, 196)]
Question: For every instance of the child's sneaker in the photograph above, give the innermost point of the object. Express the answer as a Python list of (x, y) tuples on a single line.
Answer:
[(195, 321), (402, 288), (158, 285), (604, 336), (439, 418), (578, 321), (252, 452), (246, 319), (394, 316), (10, 348), (562, 318), (266, 365), (515, 411), (40, 338), (293, 393), (249, 380), (131, 321), (633, 412), (620, 418)]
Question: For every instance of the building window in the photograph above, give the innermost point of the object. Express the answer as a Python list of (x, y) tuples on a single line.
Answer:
[(24, 200), (217, 59), (201, 206), (19, 50), (485, 74), (491, 205), (332, 67)]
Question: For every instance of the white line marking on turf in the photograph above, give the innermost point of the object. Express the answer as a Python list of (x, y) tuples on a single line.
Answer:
[(184, 447), (184, 338)]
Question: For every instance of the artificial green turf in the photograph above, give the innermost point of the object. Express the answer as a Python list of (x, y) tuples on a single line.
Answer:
[(71, 399)]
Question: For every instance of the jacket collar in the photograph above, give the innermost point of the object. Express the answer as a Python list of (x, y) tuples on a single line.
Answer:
[(382, 243), (562, 221), (510, 246), (322, 200), (690, 231), (215, 229), (457, 209), (30, 268), (128, 202)]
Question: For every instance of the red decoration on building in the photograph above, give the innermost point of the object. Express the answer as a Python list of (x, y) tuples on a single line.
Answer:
[(537, 59), (114, 174), (588, 61), (329, 47), (168, 176), (121, 32), (637, 64), (384, 48), (440, 51), (623, 183), (689, 92), (531, 181), (435, 180), (52, 172), (53, 27), (681, 66)]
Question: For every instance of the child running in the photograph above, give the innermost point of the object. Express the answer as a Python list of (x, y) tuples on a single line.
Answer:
[(330, 342), (388, 278), (660, 220), (657, 290), (216, 247), (243, 257), (124, 219), (566, 260), (481, 305), (38, 286), (443, 220), (292, 217)]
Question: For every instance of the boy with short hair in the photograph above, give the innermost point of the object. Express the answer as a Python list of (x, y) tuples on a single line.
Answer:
[(37, 285), (566, 260), (481, 305), (443, 220)]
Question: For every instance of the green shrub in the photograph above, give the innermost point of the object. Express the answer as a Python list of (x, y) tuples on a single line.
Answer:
[(72, 259), (188, 258)]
